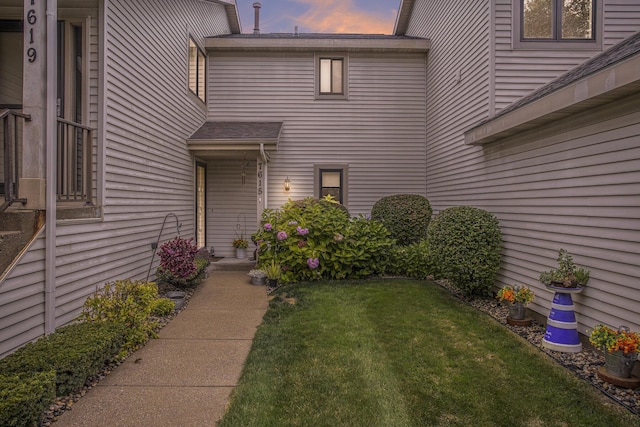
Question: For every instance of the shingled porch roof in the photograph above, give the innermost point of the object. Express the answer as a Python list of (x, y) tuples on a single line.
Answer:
[(219, 138)]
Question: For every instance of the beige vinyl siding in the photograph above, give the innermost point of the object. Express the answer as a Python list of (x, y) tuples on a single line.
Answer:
[(378, 133), (520, 71), (230, 203), (457, 81), (573, 185), (147, 169), (22, 300)]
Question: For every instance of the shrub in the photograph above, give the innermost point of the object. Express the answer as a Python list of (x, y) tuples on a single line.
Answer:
[(24, 397), (326, 202), (75, 352), (414, 260), (128, 302), (465, 244), (317, 240), (406, 216), (177, 262), (162, 307)]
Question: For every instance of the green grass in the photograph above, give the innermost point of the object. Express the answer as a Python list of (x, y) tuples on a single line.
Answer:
[(402, 353)]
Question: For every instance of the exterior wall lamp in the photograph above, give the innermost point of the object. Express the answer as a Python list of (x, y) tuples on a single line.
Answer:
[(287, 184)]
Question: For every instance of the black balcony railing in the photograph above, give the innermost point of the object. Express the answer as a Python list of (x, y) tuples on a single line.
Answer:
[(75, 160), (11, 138)]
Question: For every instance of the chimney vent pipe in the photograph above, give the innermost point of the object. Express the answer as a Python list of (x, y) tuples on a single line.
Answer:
[(256, 26)]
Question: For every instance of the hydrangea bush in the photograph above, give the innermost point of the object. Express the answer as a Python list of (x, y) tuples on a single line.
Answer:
[(315, 240)]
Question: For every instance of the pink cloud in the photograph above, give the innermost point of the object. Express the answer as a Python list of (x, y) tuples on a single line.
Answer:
[(342, 16)]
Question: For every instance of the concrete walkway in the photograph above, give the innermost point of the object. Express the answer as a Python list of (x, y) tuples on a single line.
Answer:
[(185, 377)]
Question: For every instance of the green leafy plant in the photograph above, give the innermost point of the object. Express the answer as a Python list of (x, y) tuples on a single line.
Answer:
[(162, 307), (272, 270), (413, 260), (318, 239), (75, 352), (567, 274), (406, 216), (128, 302), (512, 294), (24, 397), (465, 243), (611, 340)]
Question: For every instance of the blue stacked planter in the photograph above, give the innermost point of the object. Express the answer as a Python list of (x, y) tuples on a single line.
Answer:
[(562, 327)]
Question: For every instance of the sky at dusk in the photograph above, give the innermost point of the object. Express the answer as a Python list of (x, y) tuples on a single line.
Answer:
[(321, 16)]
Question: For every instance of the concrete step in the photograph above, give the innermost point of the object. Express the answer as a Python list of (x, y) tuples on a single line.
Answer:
[(232, 264)]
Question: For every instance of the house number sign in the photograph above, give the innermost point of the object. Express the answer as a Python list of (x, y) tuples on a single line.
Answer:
[(31, 21)]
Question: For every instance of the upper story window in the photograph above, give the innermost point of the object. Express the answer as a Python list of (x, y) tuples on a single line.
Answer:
[(331, 76), (543, 24), (197, 70)]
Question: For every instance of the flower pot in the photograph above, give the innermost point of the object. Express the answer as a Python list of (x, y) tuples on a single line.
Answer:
[(258, 281), (516, 311), (241, 253), (619, 364)]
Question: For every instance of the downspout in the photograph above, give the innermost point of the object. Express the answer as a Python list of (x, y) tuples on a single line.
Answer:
[(265, 159), (50, 170)]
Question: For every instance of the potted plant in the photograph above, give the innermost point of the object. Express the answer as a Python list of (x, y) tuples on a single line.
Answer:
[(516, 297), (258, 277), (620, 348), (273, 271), (566, 275), (241, 245)]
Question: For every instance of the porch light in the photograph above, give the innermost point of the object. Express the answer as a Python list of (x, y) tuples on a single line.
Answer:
[(287, 184)]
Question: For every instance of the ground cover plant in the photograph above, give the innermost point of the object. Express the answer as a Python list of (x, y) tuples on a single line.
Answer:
[(401, 353)]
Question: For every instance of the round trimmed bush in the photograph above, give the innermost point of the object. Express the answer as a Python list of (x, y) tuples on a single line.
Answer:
[(465, 244), (406, 216)]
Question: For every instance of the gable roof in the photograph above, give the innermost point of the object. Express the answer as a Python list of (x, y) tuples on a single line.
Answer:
[(605, 77), (403, 17)]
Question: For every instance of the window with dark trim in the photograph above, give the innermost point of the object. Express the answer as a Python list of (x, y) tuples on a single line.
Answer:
[(331, 76), (331, 183), (332, 72), (197, 70), (557, 20)]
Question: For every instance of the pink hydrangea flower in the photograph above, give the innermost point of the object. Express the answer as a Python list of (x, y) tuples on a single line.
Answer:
[(302, 231), (268, 226), (313, 263), (282, 235)]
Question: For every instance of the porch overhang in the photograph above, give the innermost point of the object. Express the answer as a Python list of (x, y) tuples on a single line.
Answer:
[(222, 139)]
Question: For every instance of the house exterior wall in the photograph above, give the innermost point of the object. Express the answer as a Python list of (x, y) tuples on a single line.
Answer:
[(569, 185), (378, 133), (520, 71), (144, 114), (231, 205)]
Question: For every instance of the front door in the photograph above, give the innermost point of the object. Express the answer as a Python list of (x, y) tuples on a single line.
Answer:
[(201, 217)]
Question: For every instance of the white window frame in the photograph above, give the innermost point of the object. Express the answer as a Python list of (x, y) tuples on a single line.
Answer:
[(519, 42), (344, 57)]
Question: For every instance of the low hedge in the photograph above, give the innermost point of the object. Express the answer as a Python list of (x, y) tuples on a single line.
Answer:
[(75, 352), (25, 397)]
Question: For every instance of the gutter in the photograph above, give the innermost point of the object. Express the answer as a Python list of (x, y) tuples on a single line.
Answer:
[(50, 169)]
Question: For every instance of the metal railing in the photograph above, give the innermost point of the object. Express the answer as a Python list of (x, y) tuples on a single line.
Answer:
[(12, 122), (75, 161)]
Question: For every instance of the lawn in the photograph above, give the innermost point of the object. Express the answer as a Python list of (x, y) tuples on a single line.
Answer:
[(402, 353)]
